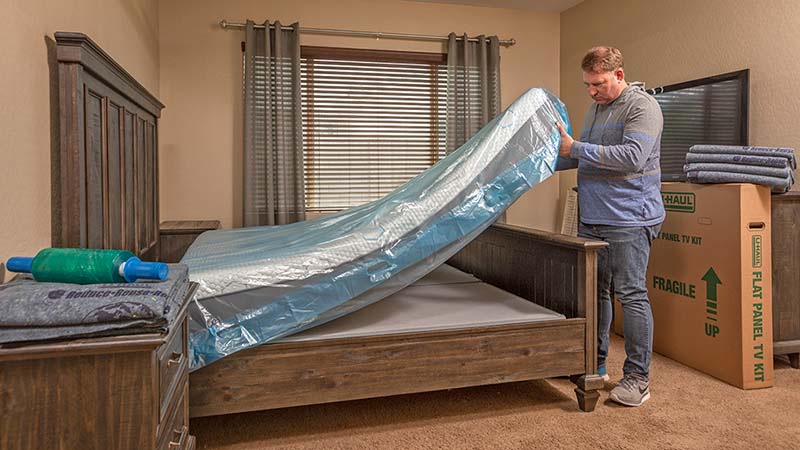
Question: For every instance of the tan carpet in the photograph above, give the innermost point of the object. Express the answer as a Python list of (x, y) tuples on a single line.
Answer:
[(688, 410)]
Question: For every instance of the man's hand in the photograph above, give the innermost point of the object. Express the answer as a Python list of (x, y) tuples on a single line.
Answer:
[(566, 141)]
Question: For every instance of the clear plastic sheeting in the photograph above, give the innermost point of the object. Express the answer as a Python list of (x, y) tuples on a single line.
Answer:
[(258, 284)]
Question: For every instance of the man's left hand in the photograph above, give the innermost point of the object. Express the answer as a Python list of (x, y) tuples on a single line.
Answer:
[(566, 141)]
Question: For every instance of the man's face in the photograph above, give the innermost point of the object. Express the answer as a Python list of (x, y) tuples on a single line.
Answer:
[(604, 87)]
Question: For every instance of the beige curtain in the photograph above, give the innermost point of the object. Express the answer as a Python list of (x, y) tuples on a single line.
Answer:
[(473, 86), (274, 190)]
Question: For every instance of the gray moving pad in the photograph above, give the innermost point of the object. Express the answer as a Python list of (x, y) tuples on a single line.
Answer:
[(36, 311), (445, 299)]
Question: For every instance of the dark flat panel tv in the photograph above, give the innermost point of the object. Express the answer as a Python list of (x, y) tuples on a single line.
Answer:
[(710, 110)]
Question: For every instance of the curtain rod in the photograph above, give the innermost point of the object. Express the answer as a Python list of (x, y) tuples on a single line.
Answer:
[(375, 34)]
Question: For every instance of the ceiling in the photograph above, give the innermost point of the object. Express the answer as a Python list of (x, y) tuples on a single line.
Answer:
[(531, 5)]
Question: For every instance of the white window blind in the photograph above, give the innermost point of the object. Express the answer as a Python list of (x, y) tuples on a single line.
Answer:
[(372, 120)]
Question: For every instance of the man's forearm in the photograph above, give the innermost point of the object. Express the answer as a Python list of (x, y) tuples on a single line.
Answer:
[(628, 157), (563, 163)]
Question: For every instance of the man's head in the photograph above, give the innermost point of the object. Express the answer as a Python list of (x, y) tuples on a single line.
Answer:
[(604, 74)]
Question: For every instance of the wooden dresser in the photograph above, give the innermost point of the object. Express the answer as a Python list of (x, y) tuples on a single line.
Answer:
[(786, 275), (120, 393)]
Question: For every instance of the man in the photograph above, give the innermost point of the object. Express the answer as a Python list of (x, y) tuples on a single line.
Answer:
[(619, 192)]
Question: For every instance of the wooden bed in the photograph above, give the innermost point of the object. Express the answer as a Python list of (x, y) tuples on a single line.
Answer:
[(555, 271), (106, 196)]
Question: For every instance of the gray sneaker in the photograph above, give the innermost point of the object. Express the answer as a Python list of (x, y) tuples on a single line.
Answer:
[(632, 390)]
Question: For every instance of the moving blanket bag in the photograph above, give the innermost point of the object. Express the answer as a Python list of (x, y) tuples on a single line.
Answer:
[(710, 282)]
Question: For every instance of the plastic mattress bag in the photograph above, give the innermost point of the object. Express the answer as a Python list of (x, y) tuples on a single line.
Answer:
[(258, 284)]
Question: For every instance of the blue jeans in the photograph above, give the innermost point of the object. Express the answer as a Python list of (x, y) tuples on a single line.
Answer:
[(623, 266)]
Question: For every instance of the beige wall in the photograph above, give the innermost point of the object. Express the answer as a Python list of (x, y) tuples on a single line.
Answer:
[(670, 41), (126, 29), (200, 131), (177, 51)]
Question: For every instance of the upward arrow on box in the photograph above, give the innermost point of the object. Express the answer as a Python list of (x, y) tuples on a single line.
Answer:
[(712, 280), (712, 327)]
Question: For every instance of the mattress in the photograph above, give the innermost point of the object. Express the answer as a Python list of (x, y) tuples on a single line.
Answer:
[(445, 299), (260, 284)]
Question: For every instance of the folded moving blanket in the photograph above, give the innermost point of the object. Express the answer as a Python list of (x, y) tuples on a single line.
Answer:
[(33, 311), (764, 161), (779, 185), (776, 172), (773, 152), (769, 166)]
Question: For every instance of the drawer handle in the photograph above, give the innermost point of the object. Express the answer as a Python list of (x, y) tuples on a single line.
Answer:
[(175, 358), (179, 433)]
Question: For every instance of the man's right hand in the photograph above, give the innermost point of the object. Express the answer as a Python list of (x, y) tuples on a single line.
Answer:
[(566, 141)]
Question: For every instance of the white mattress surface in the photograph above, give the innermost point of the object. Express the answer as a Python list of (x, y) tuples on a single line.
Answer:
[(447, 298)]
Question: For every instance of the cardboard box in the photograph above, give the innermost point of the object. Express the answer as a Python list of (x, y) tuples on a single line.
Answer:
[(710, 282)]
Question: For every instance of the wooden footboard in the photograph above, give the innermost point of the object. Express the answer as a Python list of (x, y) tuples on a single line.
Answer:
[(555, 271)]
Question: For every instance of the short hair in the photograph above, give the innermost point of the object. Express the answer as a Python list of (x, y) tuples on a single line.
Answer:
[(602, 59)]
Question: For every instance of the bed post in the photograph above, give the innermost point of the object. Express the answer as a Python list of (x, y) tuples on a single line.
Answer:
[(589, 383)]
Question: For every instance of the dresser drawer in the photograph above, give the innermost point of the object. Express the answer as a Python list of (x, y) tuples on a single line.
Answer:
[(173, 363), (174, 432)]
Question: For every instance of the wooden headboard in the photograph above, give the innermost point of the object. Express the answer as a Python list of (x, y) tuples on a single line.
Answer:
[(106, 183)]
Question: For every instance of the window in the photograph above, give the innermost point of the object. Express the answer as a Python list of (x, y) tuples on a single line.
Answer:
[(372, 120)]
